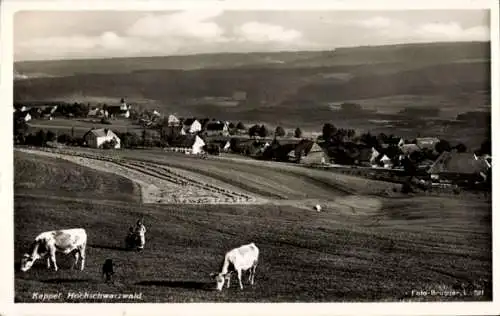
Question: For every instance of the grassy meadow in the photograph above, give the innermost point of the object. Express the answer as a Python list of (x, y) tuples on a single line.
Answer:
[(378, 249)]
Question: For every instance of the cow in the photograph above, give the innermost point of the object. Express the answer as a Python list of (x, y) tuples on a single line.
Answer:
[(48, 243), (244, 258), (317, 207)]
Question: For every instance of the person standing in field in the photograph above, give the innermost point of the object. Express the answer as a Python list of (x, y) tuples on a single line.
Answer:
[(140, 230)]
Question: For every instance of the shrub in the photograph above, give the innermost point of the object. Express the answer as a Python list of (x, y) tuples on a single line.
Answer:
[(110, 144), (263, 131), (280, 131), (298, 133), (254, 130), (64, 139)]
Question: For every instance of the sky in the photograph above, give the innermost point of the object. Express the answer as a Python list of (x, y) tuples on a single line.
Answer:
[(44, 35)]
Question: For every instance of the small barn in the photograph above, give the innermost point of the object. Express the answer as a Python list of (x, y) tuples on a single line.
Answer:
[(191, 126), (173, 120), (188, 144), (95, 138), (386, 162), (315, 155)]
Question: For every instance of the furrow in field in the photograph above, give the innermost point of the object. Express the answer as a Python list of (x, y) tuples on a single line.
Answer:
[(156, 188)]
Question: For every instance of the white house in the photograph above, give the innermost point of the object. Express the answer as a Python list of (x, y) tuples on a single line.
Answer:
[(173, 120), (373, 158), (197, 147), (95, 112), (192, 126), (96, 137), (387, 162)]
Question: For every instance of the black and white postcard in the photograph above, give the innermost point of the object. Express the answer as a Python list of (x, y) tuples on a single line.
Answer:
[(248, 152)]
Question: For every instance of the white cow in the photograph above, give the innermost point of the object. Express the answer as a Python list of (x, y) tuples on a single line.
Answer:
[(317, 207), (238, 259), (48, 243)]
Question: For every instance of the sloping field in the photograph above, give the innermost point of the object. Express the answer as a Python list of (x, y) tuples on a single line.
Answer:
[(305, 256), (264, 178), (357, 249), (40, 175), (158, 184)]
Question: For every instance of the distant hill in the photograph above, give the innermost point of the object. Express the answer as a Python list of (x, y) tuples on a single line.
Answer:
[(404, 54), (286, 86)]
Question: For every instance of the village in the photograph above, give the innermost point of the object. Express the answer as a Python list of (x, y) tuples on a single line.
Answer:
[(421, 162)]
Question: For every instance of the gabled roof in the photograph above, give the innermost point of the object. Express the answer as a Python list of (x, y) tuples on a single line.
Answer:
[(409, 148), (315, 148), (427, 142), (189, 121), (185, 141), (100, 132), (173, 119), (385, 158), (215, 126), (462, 163)]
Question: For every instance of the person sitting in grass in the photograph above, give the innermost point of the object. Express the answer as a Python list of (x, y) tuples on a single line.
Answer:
[(140, 230)]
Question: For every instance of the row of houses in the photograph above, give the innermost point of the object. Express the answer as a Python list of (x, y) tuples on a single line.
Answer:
[(194, 126), (96, 138), (26, 113), (449, 167), (111, 111)]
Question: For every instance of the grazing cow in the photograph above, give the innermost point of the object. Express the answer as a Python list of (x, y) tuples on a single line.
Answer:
[(108, 269), (317, 207), (238, 259), (48, 243)]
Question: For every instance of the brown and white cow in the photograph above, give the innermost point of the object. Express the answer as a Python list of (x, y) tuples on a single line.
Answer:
[(238, 260), (65, 241)]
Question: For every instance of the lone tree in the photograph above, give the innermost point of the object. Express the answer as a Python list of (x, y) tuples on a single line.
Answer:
[(50, 136), (298, 133), (486, 146), (329, 131), (461, 148), (443, 146), (240, 126), (263, 131), (254, 130), (280, 131)]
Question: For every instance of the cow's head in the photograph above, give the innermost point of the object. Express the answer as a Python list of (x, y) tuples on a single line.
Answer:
[(27, 262), (220, 279)]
